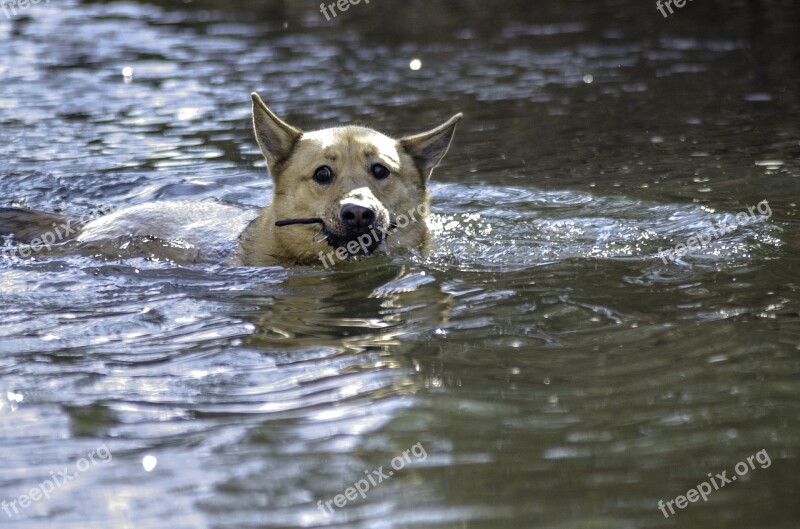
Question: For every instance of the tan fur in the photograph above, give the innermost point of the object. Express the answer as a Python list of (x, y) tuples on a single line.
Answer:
[(293, 158)]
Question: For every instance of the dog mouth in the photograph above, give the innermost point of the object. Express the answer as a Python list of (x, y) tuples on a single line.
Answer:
[(364, 242)]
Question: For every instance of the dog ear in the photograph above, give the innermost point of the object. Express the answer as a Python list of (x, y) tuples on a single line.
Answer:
[(276, 138), (428, 149)]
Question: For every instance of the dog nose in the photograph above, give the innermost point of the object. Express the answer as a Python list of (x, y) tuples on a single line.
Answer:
[(357, 217)]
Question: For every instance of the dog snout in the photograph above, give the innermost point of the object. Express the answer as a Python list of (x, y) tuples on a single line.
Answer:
[(355, 217)]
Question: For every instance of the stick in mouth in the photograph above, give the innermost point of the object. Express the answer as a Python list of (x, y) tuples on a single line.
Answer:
[(291, 222), (315, 220)]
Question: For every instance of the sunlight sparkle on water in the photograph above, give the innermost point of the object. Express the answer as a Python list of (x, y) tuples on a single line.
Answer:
[(127, 74), (149, 463)]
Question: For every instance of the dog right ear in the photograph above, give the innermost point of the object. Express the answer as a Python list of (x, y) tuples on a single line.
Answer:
[(429, 148), (276, 138)]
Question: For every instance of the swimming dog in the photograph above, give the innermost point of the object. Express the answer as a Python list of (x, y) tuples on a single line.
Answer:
[(338, 193)]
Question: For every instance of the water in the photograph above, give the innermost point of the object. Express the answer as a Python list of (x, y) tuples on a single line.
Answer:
[(555, 371)]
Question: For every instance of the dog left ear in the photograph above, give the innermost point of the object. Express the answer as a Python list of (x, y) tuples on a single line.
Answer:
[(276, 138), (428, 149)]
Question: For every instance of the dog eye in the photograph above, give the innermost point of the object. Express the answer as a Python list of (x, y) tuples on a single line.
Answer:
[(380, 171), (324, 175)]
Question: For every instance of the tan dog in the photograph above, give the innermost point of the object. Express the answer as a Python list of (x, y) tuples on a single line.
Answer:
[(353, 180), (338, 193)]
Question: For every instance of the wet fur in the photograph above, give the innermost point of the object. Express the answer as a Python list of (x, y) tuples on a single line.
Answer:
[(27, 224)]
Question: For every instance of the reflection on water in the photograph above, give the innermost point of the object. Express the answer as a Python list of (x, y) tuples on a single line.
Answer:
[(556, 370)]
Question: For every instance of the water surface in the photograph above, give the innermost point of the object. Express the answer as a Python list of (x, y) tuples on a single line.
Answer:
[(556, 371)]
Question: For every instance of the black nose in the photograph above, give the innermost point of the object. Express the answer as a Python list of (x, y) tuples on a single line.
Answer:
[(357, 217)]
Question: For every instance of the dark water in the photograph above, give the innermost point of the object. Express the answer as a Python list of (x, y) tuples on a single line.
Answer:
[(547, 367)]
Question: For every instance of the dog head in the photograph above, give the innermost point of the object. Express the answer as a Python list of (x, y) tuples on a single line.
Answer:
[(349, 189)]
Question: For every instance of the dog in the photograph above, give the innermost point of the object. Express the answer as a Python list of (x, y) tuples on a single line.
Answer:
[(338, 193)]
